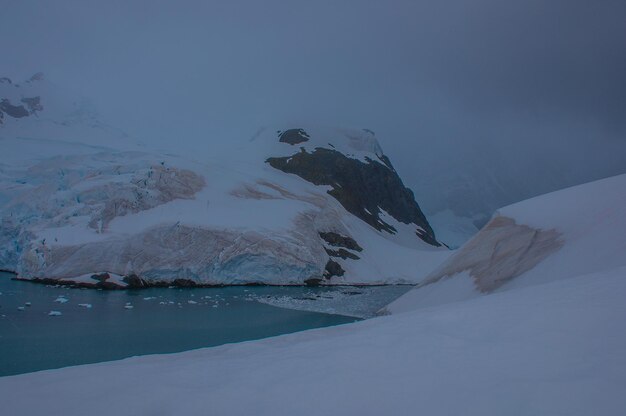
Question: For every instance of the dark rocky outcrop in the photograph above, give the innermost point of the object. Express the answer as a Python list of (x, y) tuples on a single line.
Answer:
[(313, 282), (333, 269), (338, 240), (39, 76), (101, 281), (101, 277), (135, 282), (293, 136), (33, 104), (15, 111), (363, 188), (341, 253)]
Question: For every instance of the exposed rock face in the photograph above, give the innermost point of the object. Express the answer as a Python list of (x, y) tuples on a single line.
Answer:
[(12, 101), (501, 251), (15, 111), (363, 188), (342, 254), (293, 136), (79, 212), (333, 269), (338, 240)]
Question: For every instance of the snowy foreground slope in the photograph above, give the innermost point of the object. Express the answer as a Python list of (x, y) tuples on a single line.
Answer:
[(550, 341), (82, 202), (551, 349), (570, 232)]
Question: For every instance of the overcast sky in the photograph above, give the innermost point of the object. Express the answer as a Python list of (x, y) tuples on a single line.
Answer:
[(532, 83)]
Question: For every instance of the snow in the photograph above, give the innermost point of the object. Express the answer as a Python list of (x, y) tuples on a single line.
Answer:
[(584, 229), (548, 338), (556, 348), (357, 144), (359, 302), (452, 229), (88, 279), (71, 189)]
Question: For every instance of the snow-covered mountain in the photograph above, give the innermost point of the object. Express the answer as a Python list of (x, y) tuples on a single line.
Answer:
[(547, 339), (572, 232), (82, 202)]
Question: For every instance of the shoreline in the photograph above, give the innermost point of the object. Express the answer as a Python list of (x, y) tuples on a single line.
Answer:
[(133, 282)]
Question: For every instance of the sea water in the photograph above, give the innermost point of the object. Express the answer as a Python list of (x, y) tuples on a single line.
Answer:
[(44, 327)]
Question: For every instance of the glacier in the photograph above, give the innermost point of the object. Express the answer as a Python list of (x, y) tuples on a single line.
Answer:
[(80, 198), (548, 340)]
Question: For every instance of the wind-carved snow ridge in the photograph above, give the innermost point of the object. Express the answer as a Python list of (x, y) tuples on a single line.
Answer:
[(79, 201), (504, 251), (563, 234)]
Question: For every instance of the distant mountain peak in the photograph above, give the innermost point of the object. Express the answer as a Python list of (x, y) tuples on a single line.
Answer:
[(39, 76)]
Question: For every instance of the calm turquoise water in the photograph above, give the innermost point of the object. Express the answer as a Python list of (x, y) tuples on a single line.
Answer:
[(161, 320)]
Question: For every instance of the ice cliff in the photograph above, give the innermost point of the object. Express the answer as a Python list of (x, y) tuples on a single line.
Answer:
[(82, 202)]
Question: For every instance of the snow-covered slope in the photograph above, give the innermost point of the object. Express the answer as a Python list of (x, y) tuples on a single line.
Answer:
[(314, 205), (567, 233), (38, 108), (551, 349)]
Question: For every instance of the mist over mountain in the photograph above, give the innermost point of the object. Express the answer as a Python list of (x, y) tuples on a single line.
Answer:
[(432, 194), (478, 105)]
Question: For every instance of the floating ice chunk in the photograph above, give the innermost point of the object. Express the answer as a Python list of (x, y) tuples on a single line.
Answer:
[(191, 302), (54, 313), (20, 308), (85, 305), (27, 304), (61, 299), (128, 305), (215, 306), (149, 298)]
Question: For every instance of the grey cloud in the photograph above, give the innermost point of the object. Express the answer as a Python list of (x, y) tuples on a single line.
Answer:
[(530, 92)]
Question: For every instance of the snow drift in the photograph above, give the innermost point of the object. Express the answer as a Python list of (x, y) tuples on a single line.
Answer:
[(551, 349), (575, 231)]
